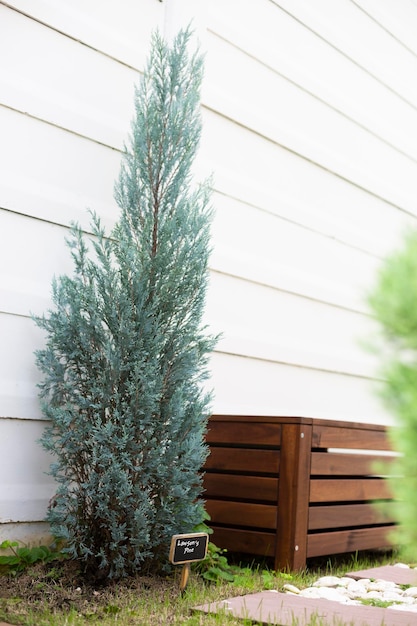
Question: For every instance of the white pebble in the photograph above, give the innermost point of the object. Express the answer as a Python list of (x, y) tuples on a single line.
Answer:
[(403, 565), (291, 588), (356, 589), (411, 592), (407, 600), (310, 592), (403, 607), (362, 583), (392, 596), (372, 595), (327, 581), (329, 593), (349, 591), (381, 585)]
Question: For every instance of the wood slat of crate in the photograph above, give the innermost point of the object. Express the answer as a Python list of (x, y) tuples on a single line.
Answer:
[(243, 514), (335, 464), (337, 542), (246, 460), (348, 489), (343, 516), (246, 541), (349, 435), (252, 434), (241, 487)]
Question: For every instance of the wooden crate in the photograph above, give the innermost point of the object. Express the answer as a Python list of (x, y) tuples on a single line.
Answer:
[(284, 488)]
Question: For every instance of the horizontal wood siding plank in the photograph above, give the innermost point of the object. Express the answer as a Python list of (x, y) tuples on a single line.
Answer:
[(242, 514), (342, 516), (340, 490), (402, 24), (26, 287), (74, 88), (273, 256), (253, 434), (19, 338), (238, 392), (25, 486), (257, 87), (240, 487), (324, 72), (350, 30), (246, 541), (334, 464), (252, 180), (122, 30), (35, 182), (349, 437), (300, 345), (243, 460), (338, 542)]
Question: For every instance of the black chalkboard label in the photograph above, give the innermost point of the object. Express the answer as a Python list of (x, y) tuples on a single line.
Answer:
[(188, 548)]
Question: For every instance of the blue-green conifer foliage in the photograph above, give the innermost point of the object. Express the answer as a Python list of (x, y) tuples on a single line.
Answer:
[(126, 351)]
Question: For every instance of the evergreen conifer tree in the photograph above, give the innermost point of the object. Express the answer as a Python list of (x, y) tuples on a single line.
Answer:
[(394, 303), (126, 351)]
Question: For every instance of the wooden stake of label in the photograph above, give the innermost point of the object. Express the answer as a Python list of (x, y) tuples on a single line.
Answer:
[(185, 574)]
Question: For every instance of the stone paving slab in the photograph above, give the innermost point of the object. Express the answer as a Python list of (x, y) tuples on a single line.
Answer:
[(397, 575), (281, 609)]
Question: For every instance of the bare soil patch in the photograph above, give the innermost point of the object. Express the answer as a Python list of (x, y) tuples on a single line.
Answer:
[(59, 587)]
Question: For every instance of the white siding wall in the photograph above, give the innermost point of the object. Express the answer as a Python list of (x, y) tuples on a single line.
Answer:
[(310, 128), (311, 123)]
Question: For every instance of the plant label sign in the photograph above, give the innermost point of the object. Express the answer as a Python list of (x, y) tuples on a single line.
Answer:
[(188, 548)]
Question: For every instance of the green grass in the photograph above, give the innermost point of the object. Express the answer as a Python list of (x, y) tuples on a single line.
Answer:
[(382, 604), (39, 598)]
